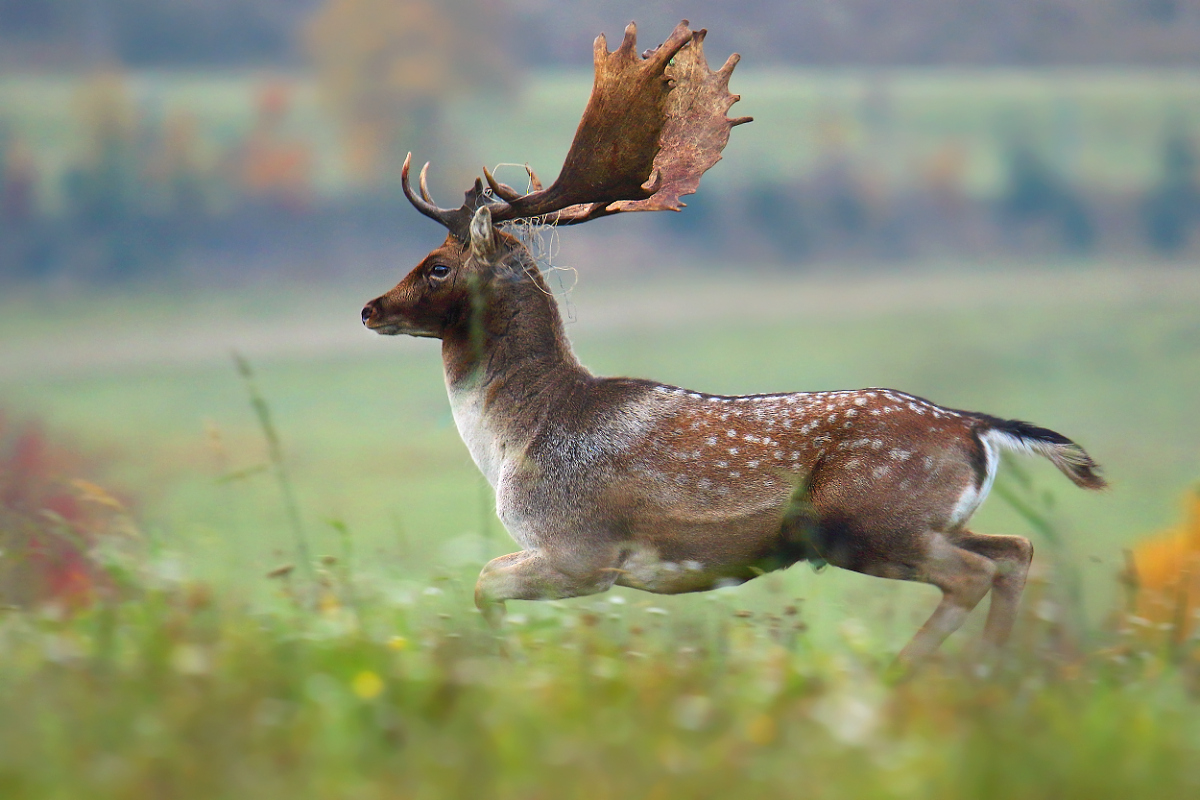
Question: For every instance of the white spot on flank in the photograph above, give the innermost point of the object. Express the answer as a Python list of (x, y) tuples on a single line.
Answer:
[(860, 401), (733, 451), (731, 433), (722, 464), (735, 474), (711, 441)]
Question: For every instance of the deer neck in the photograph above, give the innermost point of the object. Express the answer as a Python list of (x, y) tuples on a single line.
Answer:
[(506, 367)]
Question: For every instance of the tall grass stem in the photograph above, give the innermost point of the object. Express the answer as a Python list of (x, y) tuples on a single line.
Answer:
[(275, 452)]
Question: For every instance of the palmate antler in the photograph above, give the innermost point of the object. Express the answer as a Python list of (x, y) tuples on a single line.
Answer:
[(653, 125)]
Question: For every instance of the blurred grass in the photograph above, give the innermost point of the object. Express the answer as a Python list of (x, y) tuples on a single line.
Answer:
[(183, 695)]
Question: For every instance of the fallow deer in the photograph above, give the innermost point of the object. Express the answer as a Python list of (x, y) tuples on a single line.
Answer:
[(619, 481)]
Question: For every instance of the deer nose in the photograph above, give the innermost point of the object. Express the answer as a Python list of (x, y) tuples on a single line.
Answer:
[(369, 311)]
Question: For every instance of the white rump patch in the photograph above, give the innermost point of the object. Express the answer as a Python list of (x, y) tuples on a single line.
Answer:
[(973, 497)]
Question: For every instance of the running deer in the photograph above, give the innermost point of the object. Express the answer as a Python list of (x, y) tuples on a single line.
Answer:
[(619, 481)]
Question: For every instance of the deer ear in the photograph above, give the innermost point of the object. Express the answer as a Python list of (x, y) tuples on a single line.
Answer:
[(483, 235)]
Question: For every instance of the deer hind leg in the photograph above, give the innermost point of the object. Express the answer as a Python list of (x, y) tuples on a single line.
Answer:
[(533, 575), (1012, 556), (964, 577)]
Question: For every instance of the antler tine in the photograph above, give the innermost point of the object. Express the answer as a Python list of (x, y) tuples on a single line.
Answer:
[(725, 72), (534, 183), (501, 190), (424, 203), (424, 186)]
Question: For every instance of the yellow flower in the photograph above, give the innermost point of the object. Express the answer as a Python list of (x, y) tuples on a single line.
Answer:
[(367, 685), (761, 730), (328, 603)]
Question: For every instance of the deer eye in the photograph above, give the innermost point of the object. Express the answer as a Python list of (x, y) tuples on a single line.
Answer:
[(439, 271)]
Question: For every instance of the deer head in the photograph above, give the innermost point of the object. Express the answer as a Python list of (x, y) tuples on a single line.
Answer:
[(653, 125)]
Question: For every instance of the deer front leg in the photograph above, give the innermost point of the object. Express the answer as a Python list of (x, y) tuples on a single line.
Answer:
[(534, 575)]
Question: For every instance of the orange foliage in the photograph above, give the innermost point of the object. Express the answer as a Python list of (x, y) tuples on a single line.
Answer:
[(1166, 572), (275, 168)]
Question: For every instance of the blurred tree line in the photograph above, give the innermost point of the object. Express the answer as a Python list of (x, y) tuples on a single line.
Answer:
[(842, 211)]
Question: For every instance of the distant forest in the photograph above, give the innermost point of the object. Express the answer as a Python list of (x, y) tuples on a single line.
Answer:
[(57, 34)]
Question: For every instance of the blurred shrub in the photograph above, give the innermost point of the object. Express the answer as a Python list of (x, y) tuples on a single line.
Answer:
[(1164, 576), (59, 533)]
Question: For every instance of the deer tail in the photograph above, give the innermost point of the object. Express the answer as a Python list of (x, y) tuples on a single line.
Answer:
[(1023, 437)]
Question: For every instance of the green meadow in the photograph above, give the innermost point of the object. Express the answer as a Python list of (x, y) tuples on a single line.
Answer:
[(375, 678)]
